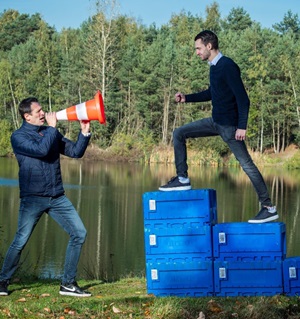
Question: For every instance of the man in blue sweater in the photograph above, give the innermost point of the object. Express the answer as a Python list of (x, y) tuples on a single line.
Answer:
[(37, 149), (229, 120)]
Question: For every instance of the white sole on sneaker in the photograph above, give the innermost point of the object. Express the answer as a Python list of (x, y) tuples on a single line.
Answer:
[(3, 293), (172, 189), (73, 294), (260, 221)]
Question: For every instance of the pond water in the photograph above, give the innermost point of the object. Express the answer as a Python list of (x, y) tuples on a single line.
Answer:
[(108, 197)]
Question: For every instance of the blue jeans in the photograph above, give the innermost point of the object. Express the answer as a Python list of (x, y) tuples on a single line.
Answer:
[(207, 127), (30, 212)]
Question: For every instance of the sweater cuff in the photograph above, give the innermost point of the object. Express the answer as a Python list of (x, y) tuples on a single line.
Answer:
[(188, 98), (86, 134)]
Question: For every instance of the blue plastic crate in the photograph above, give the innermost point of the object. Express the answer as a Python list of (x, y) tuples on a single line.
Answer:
[(183, 279), (172, 237), (252, 278), (291, 276), (200, 204), (249, 242)]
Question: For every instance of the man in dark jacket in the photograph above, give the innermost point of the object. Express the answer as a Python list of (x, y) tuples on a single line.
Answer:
[(229, 120), (37, 149)]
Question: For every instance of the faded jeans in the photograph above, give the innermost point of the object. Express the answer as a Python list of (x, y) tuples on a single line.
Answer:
[(207, 127), (63, 212)]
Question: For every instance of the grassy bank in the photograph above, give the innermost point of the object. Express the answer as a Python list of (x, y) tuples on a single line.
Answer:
[(127, 298), (290, 158)]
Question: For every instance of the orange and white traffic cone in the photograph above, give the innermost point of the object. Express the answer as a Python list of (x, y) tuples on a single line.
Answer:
[(86, 111)]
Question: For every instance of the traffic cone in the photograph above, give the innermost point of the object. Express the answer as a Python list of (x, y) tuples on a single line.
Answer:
[(86, 111)]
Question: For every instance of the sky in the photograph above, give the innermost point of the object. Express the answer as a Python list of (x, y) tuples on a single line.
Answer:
[(72, 13)]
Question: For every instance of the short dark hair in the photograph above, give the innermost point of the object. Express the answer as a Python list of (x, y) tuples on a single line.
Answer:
[(25, 106), (208, 36)]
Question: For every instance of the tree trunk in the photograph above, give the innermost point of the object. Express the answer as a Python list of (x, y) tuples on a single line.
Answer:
[(295, 97), (14, 107), (278, 137), (167, 99), (283, 136), (261, 135), (49, 86), (273, 136)]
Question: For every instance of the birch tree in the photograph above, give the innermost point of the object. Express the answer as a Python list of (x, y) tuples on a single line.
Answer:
[(99, 46)]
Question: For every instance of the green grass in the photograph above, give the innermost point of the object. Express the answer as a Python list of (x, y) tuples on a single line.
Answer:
[(293, 162), (127, 298)]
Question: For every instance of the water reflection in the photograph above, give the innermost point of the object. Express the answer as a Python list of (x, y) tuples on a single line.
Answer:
[(108, 197)]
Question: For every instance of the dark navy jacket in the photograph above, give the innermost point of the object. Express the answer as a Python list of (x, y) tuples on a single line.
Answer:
[(38, 149)]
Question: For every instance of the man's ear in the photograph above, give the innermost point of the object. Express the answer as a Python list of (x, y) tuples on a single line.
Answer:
[(27, 117), (209, 46)]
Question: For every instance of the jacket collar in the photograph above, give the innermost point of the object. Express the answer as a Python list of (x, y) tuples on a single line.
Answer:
[(31, 127)]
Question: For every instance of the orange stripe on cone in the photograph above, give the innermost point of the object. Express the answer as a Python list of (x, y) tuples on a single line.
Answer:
[(71, 113)]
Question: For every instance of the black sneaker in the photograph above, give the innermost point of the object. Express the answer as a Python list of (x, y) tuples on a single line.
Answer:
[(3, 288), (175, 185), (266, 214), (73, 290)]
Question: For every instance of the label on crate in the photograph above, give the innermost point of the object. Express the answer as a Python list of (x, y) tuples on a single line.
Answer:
[(154, 274), (222, 238), (292, 272), (222, 273), (152, 240), (152, 204)]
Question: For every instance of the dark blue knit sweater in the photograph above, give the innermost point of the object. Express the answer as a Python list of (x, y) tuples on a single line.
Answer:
[(227, 93)]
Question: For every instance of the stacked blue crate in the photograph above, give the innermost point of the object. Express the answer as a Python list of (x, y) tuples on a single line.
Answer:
[(189, 254), (199, 205), (291, 276), (178, 242), (248, 259)]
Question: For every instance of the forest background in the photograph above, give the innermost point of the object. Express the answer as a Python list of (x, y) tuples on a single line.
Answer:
[(138, 70)]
